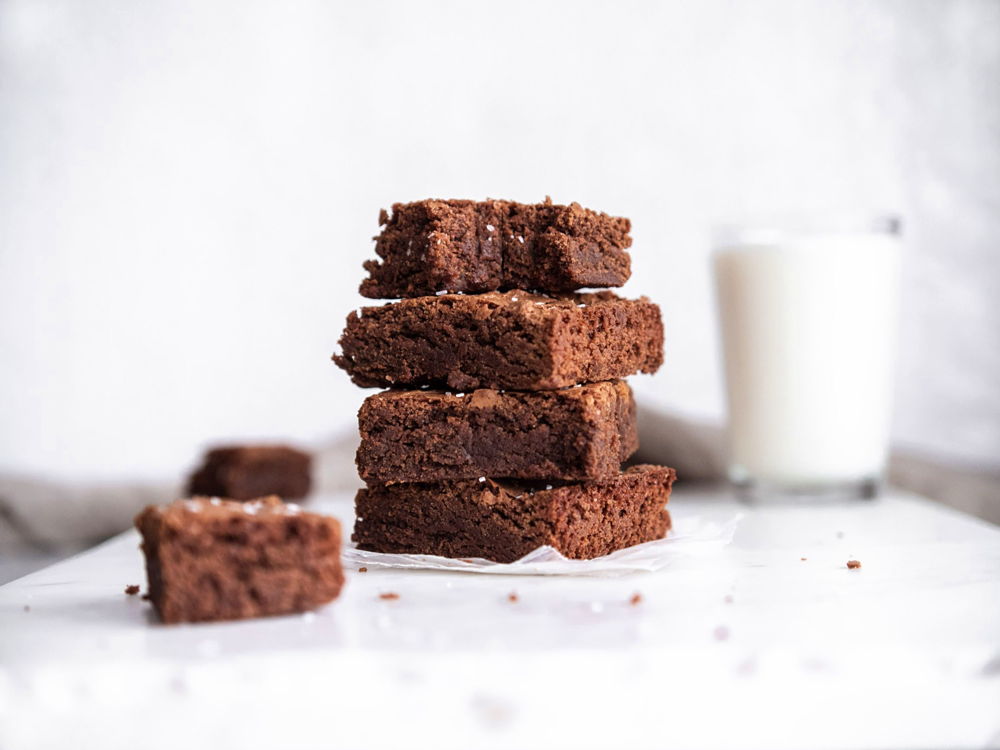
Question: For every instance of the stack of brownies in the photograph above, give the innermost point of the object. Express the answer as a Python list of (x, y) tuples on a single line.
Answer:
[(506, 423)]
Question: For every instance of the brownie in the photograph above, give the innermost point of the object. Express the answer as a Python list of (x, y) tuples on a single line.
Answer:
[(249, 471), (584, 432), (504, 521), (210, 559), (468, 246), (504, 340)]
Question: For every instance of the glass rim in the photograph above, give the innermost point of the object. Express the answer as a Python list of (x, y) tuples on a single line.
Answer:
[(772, 229)]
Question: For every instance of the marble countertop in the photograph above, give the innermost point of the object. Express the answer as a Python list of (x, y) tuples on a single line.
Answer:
[(749, 646)]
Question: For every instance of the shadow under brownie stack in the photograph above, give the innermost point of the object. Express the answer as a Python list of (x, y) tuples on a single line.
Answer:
[(507, 422)]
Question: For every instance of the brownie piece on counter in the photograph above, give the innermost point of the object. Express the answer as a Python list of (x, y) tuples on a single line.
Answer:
[(504, 521), (502, 340), (245, 472), (469, 246), (212, 559), (583, 432)]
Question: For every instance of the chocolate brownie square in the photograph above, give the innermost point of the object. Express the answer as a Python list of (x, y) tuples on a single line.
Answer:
[(583, 432), (468, 246), (245, 472), (503, 521), (210, 559), (502, 340)]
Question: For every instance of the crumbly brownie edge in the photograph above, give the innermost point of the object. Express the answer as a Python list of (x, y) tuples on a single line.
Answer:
[(432, 245), (601, 339)]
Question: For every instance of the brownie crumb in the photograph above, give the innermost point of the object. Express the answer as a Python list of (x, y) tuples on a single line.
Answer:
[(388, 596), (131, 589), (853, 564), (362, 569), (721, 633), (145, 597), (728, 599), (512, 596), (636, 599)]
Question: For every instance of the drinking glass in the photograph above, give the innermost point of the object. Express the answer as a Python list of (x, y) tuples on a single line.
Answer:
[(807, 311)]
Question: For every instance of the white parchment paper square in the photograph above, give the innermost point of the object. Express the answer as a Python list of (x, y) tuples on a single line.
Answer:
[(690, 537)]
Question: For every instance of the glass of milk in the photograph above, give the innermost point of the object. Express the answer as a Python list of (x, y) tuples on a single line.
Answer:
[(808, 316)]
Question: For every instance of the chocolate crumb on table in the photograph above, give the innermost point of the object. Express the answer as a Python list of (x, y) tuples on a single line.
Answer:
[(132, 589), (362, 569), (479, 246), (503, 521), (510, 340), (853, 564), (247, 472), (635, 599), (210, 559), (388, 596), (512, 596)]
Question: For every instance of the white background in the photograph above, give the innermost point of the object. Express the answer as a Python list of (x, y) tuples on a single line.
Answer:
[(187, 191)]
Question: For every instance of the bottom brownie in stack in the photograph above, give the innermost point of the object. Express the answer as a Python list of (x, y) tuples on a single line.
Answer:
[(503, 521)]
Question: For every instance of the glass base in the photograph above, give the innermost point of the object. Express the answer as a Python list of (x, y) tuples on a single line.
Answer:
[(757, 491)]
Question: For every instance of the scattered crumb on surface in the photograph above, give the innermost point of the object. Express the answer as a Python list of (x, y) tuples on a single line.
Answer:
[(728, 599), (635, 599), (721, 633), (145, 597), (362, 569), (815, 665), (803, 559), (853, 564), (512, 596), (131, 589), (746, 668), (388, 595), (492, 711)]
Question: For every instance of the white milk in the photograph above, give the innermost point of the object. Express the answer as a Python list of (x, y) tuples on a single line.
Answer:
[(808, 324)]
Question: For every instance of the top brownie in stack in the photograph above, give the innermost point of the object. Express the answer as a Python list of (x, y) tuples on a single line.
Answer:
[(469, 246)]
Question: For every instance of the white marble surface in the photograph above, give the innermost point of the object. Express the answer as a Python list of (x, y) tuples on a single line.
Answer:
[(904, 652)]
